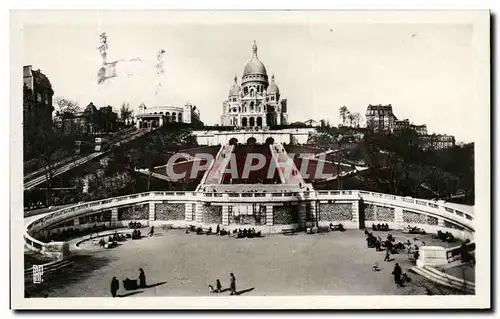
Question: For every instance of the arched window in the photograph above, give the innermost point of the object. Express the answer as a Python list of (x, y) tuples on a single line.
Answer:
[(167, 115), (179, 116), (251, 106), (244, 121), (174, 117), (259, 121), (235, 121), (252, 122)]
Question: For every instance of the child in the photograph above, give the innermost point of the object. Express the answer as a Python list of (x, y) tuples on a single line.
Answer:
[(218, 286), (210, 289), (387, 256)]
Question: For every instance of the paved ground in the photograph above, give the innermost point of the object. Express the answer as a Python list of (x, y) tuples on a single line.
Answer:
[(181, 264)]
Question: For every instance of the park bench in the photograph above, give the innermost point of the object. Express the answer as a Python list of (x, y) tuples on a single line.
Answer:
[(167, 226), (289, 231)]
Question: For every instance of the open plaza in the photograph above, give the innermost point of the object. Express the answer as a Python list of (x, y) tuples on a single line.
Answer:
[(179, 264)]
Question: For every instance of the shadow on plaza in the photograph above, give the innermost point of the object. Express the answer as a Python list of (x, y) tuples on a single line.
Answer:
[(157, 284), (241, 292), (130, 294), (81, 268)]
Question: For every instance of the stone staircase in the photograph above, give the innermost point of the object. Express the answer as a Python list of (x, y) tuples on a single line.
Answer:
[(287, 170), (216, 170), (442, 278)]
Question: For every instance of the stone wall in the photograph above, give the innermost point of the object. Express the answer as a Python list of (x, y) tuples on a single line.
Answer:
[(94, 218), (331, 212), (137, 212), (447, 224), (170, 211), (414, 218), (379, 213), (432, 220), (212, 214), (284, 215)]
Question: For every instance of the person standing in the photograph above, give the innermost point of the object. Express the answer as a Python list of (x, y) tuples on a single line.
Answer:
[(218, 286), (114, 286), (397, 274), (232, 280), (387, 255), (142, 278)]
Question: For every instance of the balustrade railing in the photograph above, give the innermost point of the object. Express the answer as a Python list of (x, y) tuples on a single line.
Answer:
[(79, 209)]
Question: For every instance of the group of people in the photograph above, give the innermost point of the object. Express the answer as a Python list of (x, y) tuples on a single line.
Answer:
[(380, 227), (238, 233), (134, 225), (338, 227), (414, 230), (246, 233), (446, 236), (377, 243), (136, 234), (129, 284), (218, 285)]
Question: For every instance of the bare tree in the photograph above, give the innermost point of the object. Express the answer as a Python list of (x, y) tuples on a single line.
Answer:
[(356, 119), (351, 117), (125, 112), (343, 112), (65, 106), (50, 145)]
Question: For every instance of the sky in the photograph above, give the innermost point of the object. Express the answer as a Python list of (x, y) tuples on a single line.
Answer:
[(426, 71)]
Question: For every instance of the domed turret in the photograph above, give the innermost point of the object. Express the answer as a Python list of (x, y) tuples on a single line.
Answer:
[(235, 88), (254, 74), (254, 66), (273, 87)]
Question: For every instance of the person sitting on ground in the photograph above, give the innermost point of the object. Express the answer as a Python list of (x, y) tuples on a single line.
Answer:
[(408, 243), (341, 227), (102, 242), (374, 227), (245, 232), (378, 227), (209, 232), (405, 278), (366, 232), (377, 246)]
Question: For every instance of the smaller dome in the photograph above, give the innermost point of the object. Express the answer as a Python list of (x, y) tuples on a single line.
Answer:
[(235, 88), (273, 87)]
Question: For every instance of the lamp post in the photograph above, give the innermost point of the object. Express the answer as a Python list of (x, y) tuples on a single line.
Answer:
[(339, 168)]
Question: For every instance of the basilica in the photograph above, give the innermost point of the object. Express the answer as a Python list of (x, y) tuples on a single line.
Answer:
[(256, 102)]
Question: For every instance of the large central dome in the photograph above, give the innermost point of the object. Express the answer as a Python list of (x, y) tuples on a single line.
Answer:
[(254, 66)]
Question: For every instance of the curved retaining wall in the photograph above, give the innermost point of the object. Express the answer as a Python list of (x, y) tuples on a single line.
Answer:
[(269, 212)]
